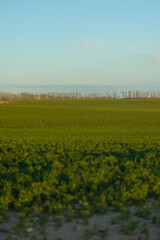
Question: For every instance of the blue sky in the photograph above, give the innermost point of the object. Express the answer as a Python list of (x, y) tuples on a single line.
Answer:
[(80, 42)]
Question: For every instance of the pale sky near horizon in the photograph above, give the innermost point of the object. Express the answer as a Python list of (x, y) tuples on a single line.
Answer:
[(105, 42)]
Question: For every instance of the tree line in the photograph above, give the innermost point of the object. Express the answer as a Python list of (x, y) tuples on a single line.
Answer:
[(135, 94)]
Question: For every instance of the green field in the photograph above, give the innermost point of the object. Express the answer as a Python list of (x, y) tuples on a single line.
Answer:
[(67, 120), (56, 155)]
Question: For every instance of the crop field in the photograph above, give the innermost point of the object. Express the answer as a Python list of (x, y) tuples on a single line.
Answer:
[(92, 162)]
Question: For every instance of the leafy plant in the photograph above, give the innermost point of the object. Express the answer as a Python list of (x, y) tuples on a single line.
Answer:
[(128, 228)]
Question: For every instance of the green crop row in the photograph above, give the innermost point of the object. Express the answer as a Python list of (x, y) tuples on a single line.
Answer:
[(59, 177)]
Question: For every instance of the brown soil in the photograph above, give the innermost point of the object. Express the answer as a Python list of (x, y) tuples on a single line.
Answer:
[(78, 229)]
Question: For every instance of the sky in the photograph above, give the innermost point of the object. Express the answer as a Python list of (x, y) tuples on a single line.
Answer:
[(99, 42)]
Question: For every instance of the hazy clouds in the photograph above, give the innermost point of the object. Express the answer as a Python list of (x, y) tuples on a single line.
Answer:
[(90, 47), (152, 57)]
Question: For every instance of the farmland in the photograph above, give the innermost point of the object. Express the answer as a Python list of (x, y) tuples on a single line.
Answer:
[(77, 158), (103, 120)]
